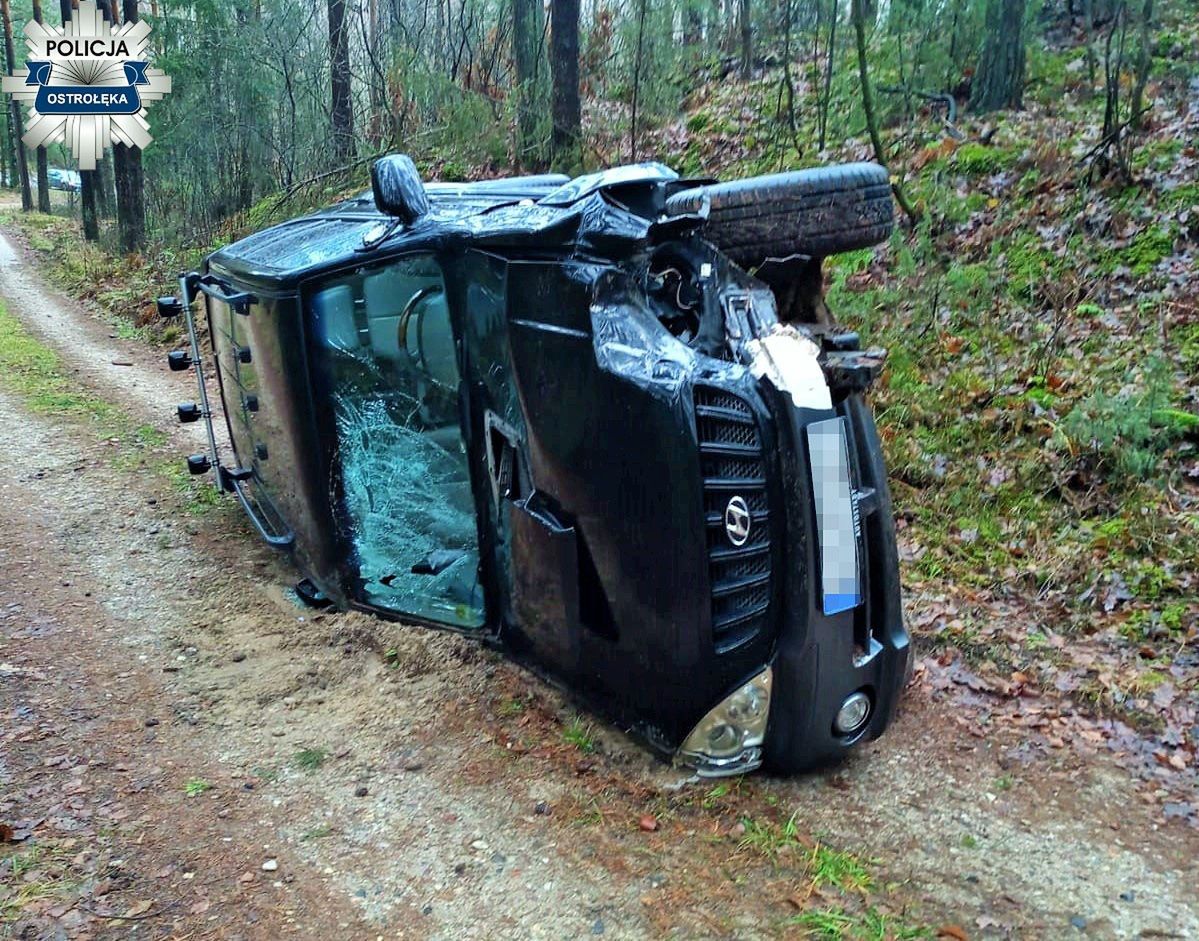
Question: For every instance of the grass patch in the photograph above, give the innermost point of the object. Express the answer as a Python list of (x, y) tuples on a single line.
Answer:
[(511, 707), (195, 787), (769, 839), (822, 864), (32, 371), (591, 815), (310, 759), (842, 870), (579, 734), (837, 924), (35, 372), (37, 872)]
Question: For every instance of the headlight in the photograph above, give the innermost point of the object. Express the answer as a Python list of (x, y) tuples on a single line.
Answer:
[(728, 740)]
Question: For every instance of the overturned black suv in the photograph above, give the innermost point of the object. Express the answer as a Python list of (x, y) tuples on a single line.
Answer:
[(563, 414)]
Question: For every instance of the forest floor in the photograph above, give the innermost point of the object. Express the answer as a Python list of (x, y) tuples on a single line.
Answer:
[(187, 753)]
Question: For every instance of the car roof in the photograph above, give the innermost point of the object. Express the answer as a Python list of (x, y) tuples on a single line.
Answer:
[(544, 212)]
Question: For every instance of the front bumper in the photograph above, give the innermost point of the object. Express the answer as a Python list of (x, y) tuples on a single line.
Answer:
[(823, 658)]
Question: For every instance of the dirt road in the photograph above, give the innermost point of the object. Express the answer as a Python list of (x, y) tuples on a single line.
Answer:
[(185, 752)]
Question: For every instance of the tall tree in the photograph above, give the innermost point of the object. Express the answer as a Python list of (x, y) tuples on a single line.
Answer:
[(527, 28), (43, 170), (564, 67), (130, 179), (746, 26), (999, 81), (858, 12), (342, 106), (87, 178), (18, 127), (10, 154), (637, 61), (693, 25), (1144, 61), (824, 96)]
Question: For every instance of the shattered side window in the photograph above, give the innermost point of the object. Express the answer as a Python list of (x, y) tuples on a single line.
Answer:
[(386, 349)]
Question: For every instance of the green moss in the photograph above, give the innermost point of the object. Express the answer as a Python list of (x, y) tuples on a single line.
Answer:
[(1181, 197), (1157, 154), (975, 159), (1188, 346), (1146, 250), (1029, 262), (847, 263)]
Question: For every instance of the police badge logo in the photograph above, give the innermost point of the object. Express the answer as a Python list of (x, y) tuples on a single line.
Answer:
[(89, 84)]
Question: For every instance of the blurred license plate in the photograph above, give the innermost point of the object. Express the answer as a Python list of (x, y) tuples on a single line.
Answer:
[(838, 525)]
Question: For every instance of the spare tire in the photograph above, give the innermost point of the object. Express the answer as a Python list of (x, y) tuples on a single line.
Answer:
[(815, 212)]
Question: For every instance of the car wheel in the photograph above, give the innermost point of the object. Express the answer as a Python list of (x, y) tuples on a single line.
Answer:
[(811, 213)]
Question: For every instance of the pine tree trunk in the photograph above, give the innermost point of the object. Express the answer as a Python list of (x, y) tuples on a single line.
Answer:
[(127, 163), (43, 170), (825, 97), (10, 155), (1144, 61), (342, 111), (105, 187), (18, 127), (87, 205), (526, 53), (87, 181), (102, 180), (693, 26), (564, 68), (999, 82)]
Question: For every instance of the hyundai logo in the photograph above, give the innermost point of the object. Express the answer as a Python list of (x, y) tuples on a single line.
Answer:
[(737, 521)]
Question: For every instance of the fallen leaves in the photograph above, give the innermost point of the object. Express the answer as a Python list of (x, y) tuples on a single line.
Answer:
[(18, 831), (986, 705), (138, 908)]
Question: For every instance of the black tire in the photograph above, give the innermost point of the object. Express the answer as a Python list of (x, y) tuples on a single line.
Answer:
[(815, 212)]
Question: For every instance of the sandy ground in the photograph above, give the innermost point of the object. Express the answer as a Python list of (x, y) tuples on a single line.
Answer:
[(171, 721)]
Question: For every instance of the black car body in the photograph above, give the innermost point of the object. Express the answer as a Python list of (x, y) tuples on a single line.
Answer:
[(554, 413)]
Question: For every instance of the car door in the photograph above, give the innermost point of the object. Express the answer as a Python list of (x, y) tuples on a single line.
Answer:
[(385, 362)]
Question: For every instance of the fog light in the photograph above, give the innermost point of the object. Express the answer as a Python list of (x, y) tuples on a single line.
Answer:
[(728, 740), (853, 714)]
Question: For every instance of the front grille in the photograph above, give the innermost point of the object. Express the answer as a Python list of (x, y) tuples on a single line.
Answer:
[(732, 465)]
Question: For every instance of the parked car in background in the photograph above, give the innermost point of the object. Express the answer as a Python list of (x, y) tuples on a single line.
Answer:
[(66, 180)]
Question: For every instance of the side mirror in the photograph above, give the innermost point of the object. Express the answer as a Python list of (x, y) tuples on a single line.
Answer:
[(169, 306), (398, 189)]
